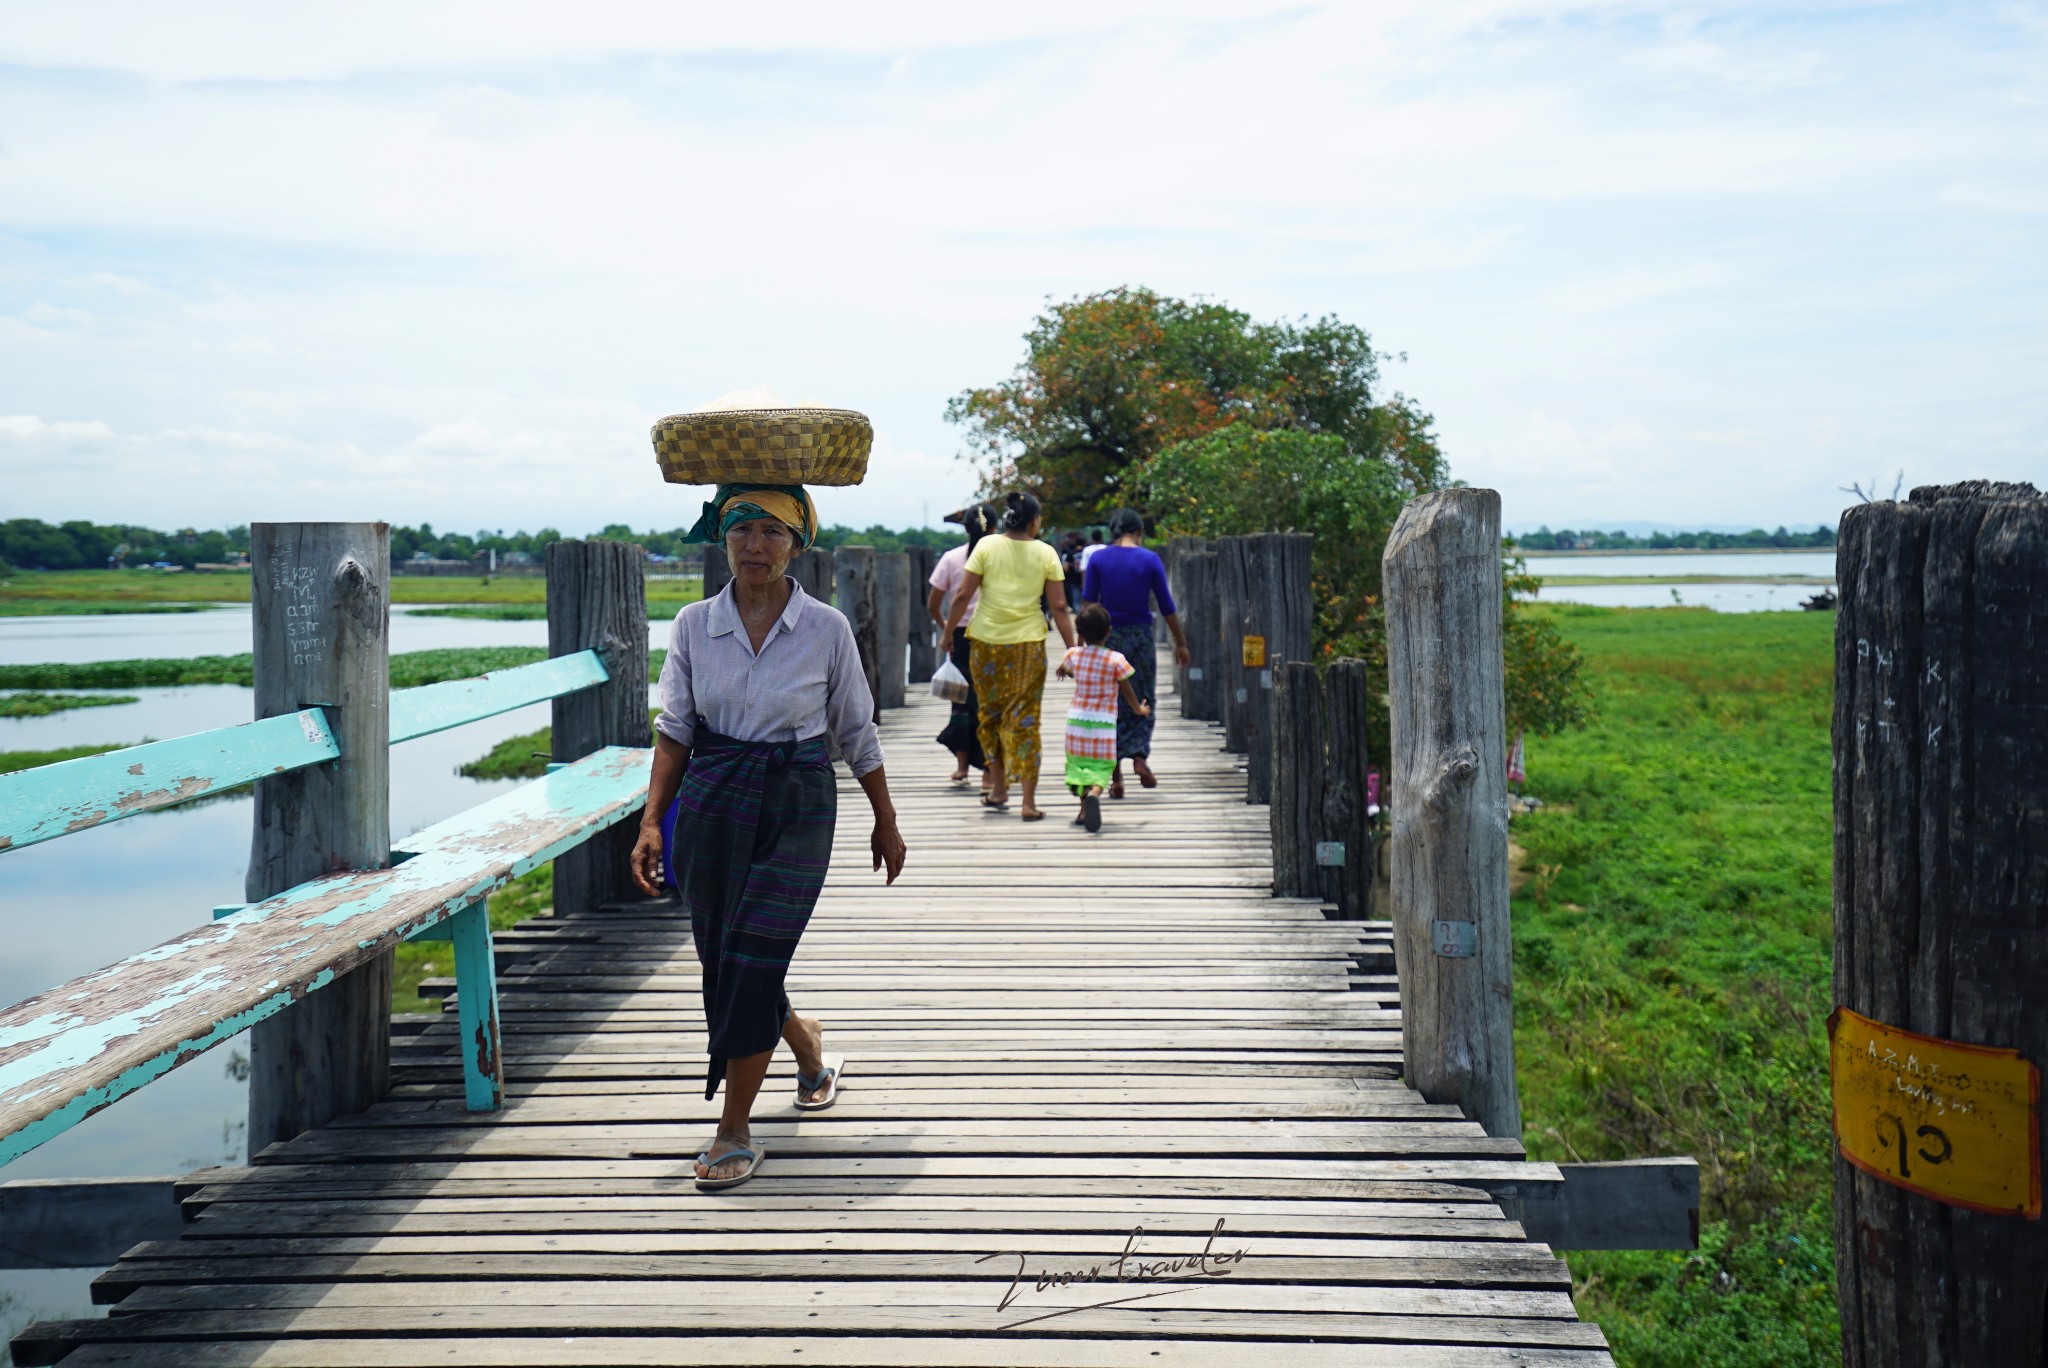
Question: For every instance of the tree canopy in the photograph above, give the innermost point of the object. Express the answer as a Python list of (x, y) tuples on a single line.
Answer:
[(1110, 380), (1213, 424)]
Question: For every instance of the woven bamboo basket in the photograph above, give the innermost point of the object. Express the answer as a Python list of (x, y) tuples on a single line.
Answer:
[(811, 446)]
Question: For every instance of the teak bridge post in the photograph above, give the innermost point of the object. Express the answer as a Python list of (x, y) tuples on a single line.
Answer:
[(924, 633), (320, 610), (1941, 918), (857, 596), (597, 601), (892, 626), (1449, 849)]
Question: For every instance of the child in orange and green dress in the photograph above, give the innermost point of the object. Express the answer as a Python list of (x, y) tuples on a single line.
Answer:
[(1099, 675)]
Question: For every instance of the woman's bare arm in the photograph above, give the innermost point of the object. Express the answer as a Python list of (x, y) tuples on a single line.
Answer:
[(671, 758), (1181, 655), (887, 842), (1056, 600)]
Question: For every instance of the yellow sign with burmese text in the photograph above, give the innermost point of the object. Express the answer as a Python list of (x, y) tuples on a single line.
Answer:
[(1949, 1121)]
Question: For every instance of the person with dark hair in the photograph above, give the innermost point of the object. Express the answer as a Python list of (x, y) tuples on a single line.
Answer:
[(742, 800), (962, 733), (1102, 679), (1126, 578), (1009, 573)]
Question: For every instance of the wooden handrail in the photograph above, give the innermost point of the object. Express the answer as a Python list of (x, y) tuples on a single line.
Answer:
[(432, 708), (48, 801)]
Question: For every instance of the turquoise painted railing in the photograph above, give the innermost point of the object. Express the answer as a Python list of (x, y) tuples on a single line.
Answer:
[(67, 1053), (73, 795)]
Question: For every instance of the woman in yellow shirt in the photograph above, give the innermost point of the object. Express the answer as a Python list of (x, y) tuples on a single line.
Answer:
[(1008, 631)]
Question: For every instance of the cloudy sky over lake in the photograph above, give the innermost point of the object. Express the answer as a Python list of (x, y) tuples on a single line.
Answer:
[(446, 262)]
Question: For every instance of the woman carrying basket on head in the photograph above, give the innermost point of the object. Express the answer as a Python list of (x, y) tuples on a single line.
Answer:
[(742, 800), (1127, 578)]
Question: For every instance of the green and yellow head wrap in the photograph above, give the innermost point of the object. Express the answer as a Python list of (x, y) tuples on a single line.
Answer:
[(734, 504)]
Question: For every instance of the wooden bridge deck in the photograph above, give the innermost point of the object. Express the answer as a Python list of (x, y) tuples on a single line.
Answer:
[(1055, 1041)]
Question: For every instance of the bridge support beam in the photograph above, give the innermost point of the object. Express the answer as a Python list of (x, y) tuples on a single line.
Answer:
[(597, 601), (1449, 850), (320, 601), (1941, 926)]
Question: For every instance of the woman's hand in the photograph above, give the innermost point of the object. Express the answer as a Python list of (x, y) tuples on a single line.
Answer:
[(1182, 656), (887, 843), (1143, 709), (946, 642), (647, 860)]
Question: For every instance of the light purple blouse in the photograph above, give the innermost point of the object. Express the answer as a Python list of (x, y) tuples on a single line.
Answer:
[(806, 680)]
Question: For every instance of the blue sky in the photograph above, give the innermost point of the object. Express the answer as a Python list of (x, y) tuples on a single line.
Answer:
[(1700, 263)]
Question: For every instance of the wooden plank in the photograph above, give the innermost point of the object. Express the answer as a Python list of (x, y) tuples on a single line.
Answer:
[(1032, 1083), (49, 801), (1461, 1347), (597, 601), (432, 708)]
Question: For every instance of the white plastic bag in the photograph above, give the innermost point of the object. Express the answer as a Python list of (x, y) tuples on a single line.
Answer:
[(948, 683)]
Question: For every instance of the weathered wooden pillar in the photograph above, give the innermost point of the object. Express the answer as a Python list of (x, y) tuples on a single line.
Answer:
[(892, 625), (597, 601), (1297, 779), (813, 570), (1197, 602), (1279, 616), (1256, 682), (1452, 943), (854, 575), (1178, 549), (924, 633), (1347, 873), (320, 605), (1233, 696), (717, 570), (1941, 926)]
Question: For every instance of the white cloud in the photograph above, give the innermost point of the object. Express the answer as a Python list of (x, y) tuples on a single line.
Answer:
[(1647, 263)]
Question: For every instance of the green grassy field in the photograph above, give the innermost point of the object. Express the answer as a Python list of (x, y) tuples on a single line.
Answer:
[(37, 592), (10, 761), (43, 704), (408, 669), (1672, 948)]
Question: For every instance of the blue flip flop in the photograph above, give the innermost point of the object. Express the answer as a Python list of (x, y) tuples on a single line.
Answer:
[(753, 1156), (827, 1077)]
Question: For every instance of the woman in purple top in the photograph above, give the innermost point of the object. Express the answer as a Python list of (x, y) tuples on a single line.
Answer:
[(1126, 578)]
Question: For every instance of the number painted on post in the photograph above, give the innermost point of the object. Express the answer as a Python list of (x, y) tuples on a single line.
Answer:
[(1947, 1120)]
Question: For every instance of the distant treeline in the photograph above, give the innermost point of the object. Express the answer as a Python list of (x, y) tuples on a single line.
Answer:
[(35, 545), (1543, 539), (30, 544)]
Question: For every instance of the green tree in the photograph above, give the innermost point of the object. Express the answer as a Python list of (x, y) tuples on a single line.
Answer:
[(1110, 380), (1240, 480), (1546, 688)]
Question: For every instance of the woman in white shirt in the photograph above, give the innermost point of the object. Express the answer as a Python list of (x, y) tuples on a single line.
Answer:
[(962, 733), (742, 801)]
